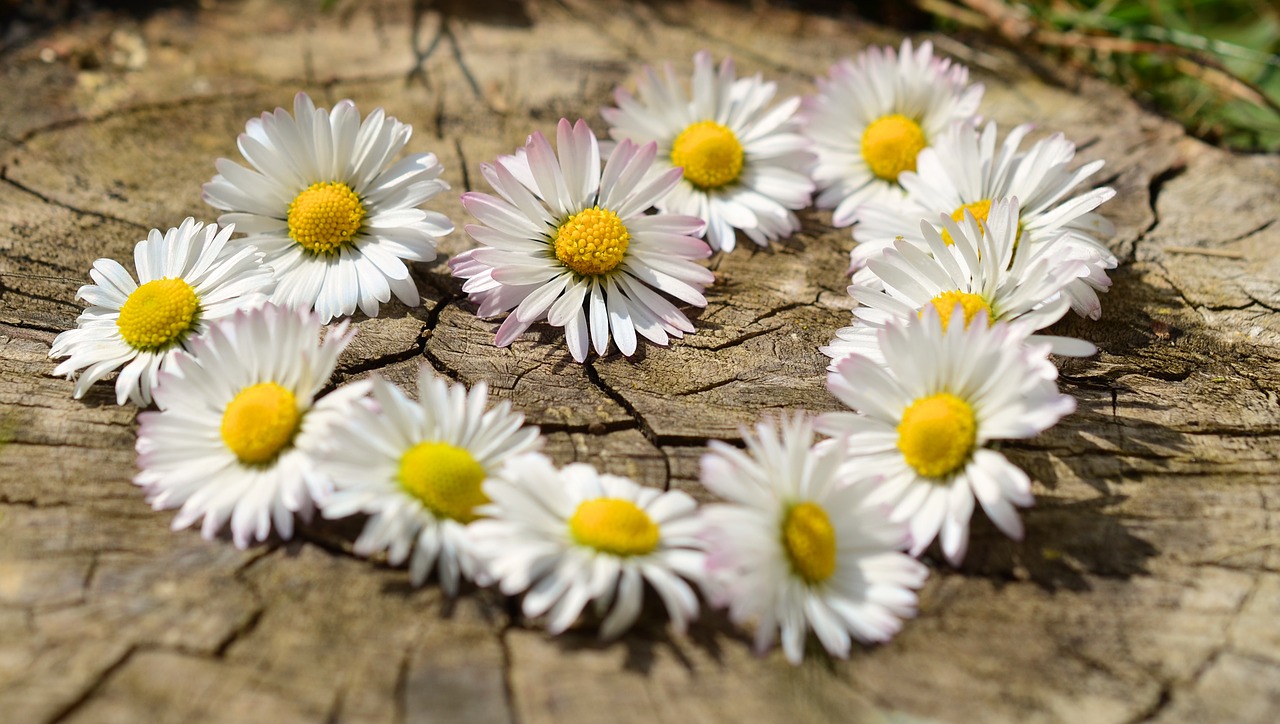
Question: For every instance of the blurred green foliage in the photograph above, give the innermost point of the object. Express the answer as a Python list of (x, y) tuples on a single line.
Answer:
[(1214, 65)]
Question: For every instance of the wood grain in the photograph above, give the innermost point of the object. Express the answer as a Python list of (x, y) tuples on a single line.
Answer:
[(1147, 587)]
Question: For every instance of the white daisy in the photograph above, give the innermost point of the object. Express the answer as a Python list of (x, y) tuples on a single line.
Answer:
[(185, 281), (239, 424), (971, 263), (964, 170), (925, 417), (334, 215), (417, 469), (872, 117), (566, 238), (573, 536), (745, 164), (799, 544)]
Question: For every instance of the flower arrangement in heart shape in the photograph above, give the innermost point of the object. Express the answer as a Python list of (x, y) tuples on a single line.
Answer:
[(965, 253)]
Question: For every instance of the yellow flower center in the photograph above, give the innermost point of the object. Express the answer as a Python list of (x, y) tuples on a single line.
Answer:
[(446, 479), (709, 153), (810, 542), (158, 313), (890, 145), (979, 209), (325, 217), (937, 434), (616, 526), (946, 302), (592, 241), (260, 422)]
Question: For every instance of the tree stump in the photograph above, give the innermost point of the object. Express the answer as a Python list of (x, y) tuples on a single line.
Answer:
[(1148, 584)]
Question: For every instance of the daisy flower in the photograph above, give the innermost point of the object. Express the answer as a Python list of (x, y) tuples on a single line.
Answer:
[(186, 279), (964, 171), (570, 537), (572, 244), (335, 217), (419, 475), (874, 114), (239, 424), (926, 416), (971, 263), (745, 163), (800, 546)]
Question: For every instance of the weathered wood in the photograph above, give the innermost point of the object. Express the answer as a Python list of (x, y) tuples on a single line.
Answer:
[(1147, 587)]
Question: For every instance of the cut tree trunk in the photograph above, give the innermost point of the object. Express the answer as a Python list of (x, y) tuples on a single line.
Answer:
[(1147, 586)]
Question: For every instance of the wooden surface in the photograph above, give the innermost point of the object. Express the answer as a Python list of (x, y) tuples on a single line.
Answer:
[(1148, 586)]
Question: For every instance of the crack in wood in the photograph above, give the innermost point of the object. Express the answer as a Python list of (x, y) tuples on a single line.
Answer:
[(79, 120), (95, 686), (1168, 693), (401, 690), (373, 364), (508, 666), (1154, 188), (334, 715), (69, 207), (462, 164)]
